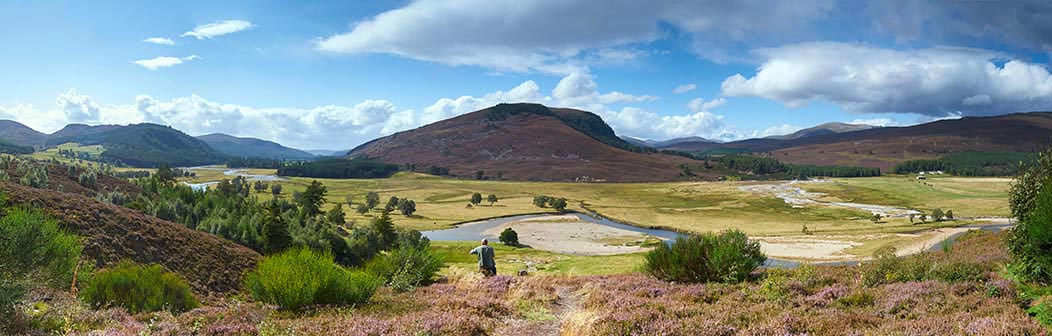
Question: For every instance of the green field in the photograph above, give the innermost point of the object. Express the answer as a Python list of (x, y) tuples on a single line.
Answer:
[(512, 259), (52, 153), (684, 206)]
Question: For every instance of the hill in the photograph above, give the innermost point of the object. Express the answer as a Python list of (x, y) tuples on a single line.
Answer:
[(524, 142), (14, 133), (141, 145), (328, 152), (823, 129), (252, 147), (883, 147), (113, 233)]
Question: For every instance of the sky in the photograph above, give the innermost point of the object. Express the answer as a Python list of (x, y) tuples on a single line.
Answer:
[(332, 75)]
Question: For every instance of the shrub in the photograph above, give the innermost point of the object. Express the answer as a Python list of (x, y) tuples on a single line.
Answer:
[(727, 257), (406, 268), (139, 288), (1030, 241), (33, 251), (300, 277), (509, 237)]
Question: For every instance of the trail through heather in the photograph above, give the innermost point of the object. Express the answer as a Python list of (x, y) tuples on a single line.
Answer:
[(566, 307)]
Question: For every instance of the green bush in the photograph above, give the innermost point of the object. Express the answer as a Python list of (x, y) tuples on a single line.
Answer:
[(301, 277), (1030, 242), (886, 268), (139, 288), (728, 257), (34, 251), (509, 237), (407, 267)]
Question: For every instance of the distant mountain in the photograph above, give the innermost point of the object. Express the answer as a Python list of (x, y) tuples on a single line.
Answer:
[(141, 145), (637, 142), (661, 144), (676, 141), (252, 147), (823, 129), (883, 147), (328, 152), (524, 142), (15, 133)]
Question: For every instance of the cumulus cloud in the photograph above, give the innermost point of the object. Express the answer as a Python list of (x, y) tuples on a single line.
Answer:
[(698, 104), (684, 88), (219, 28), (160, 40), (783, 129), (551, 36), (164, 61), (329, 126), (935, 81)]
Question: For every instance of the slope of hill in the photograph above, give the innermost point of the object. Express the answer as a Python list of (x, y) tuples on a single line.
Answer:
[(524, 142), (112, 233), (17, 134), (823, 129), (142, 145), (252, 147), (884, 147)]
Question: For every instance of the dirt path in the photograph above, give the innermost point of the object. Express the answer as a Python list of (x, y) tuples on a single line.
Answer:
[(566, 311)]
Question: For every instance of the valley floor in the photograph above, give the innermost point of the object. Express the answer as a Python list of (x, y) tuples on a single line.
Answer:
[(837, 213)]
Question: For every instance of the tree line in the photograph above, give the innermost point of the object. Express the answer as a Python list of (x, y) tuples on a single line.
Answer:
[(969, 164)]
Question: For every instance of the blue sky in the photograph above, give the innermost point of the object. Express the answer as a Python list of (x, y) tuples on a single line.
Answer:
[(317, 74)]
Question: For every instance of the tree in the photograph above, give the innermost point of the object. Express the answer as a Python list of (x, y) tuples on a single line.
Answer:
[(492, 199), (479, 174), (372, 199), (310, 200), (541, 201), (392, 203), (509, 237), (336, 215), (936, 215), (276, 236), (876, 218), (559, 204), (912, 216), (275, 189), (406, 206), (165, 174), (362, 209), (949, 214), (384, 228), (476, 198), (923, 218)]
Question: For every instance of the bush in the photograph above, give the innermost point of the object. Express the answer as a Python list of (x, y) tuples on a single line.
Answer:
[(138, 289), (34, 251), (301, 277), (406, 268), (727, 257), (1030, 242), (509, 237)]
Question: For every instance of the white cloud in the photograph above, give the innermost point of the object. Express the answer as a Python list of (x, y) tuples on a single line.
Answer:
[(934, 82), (164, 61), (160, 40), (783, 129), (698, 104), (880, 122), (580, 90), (684, 88), (556, 35), (219, 28)]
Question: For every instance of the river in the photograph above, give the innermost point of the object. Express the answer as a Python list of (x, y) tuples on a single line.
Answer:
[(477, 230)]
